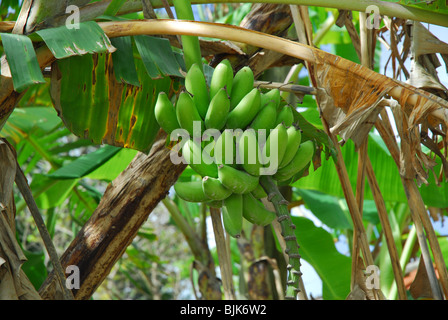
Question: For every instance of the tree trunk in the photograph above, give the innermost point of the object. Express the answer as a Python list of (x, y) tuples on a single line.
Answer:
[(124, 207)]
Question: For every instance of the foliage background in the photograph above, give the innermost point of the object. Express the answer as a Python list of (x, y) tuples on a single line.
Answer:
[(158, 263)]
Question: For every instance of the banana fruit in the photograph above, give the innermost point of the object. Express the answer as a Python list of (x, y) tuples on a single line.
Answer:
[(285, 116), (302, 157), (249, 152), (255, 212), (266, 118), (242, 84), (259, 192), (253, 134), (199, 161), (165, 113), (245, 111), (216, 116), (224, 151), (222, 78), (187, 115), (196, 84), (292, 144), (232, 215), (214, 189), (275, 147), (238, 181), (190, 191), (272, 96)]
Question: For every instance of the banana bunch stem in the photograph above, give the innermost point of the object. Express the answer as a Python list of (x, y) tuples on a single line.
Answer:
[(287, 226)]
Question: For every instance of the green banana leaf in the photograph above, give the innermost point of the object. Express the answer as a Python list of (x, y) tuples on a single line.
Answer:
[(326, 208), (22, 60), (30, 119), (85, 164), (112, 168), (51, 192), (64, 42), (318, 249), (35, 267), (106, 164), (326, 180), (157, 56), (440, 6), (123, 61), (93, 105)]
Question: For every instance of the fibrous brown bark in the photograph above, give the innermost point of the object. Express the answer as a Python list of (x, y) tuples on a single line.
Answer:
[(124, 207)]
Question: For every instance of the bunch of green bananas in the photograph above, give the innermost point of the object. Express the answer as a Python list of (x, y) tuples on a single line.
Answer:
[(257, 136)]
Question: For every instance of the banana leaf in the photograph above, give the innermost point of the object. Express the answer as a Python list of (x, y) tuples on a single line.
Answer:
[(94, 105), (440, 6), (85, 164), (64, 42), (22, 60), (157, 56), (325, 179)]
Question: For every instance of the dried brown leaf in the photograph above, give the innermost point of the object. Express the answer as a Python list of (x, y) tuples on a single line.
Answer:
[(360, 291), (426, 42), (420, 287), (14, 284)]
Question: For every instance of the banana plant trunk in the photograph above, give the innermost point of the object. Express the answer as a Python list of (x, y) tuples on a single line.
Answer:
[(124, 207)]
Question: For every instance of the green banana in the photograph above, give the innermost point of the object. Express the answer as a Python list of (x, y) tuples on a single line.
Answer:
[(224, 150), (302, 157), (243, 114), (243, 83), (294, 140), (218, 110), (249, 152), (265, 118), (259, 192), (236, 180), (215, 203), (199, 161), (187, 115), (286, 116), (275, 147), (232, 215), (190, 191), (255, 212), (196, 84), (165, 113), (214, 189), (222, 78), (273, 96)]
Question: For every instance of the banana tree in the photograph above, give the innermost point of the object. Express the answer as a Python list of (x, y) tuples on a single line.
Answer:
[(104, 70)]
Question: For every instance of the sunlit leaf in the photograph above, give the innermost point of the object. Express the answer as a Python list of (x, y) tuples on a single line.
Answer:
[(326, 208), (85, 164), (112, 168), (87, 39), (51, 192)]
